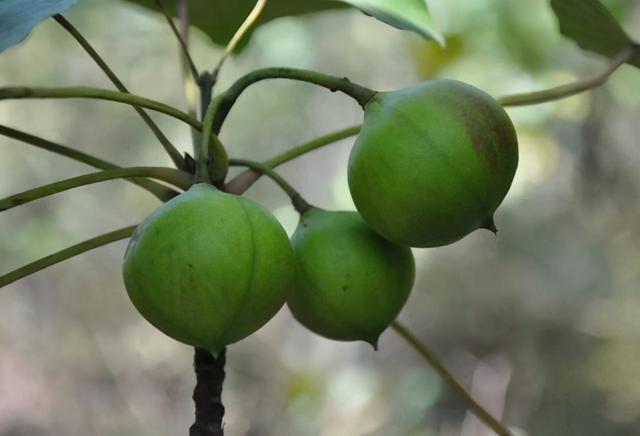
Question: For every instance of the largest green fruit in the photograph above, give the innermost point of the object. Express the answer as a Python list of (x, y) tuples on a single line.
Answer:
[(353, 282), (432, 162), (209, 268)]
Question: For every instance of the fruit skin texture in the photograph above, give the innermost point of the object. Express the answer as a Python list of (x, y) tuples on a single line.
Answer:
[(432, 162), (353, 282), (209, 268)]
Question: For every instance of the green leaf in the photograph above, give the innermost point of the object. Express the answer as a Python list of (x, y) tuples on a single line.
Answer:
[(19, 17), (220, 19), (590, 24), (403, 14)]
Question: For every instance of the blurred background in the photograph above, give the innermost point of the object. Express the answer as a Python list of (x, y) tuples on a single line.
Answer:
[(542, 323)]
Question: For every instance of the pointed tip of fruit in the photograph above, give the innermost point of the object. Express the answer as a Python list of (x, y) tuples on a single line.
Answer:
[(490, 225), (373, 342)]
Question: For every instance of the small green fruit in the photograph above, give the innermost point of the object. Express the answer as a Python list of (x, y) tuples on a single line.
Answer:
[(209, 268), (353, 282), (432, 162)]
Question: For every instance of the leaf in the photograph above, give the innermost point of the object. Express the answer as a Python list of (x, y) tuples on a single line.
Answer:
[(19, 17), (590, 24), (220, 19), (403, 14)]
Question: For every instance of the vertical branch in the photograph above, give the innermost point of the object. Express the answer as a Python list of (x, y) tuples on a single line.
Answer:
[(206, 82), (183, 17), (189, 81), (186, 56), (207, 395)]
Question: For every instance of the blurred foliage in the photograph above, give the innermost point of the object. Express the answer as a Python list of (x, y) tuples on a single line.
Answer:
[(541, 323), (220, 19), (593, 27), (17, 19), (410, 15)]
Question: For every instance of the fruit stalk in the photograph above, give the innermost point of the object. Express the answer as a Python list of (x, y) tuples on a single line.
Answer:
[(299, 203), (223, 103), (207, 394), (212, 162)]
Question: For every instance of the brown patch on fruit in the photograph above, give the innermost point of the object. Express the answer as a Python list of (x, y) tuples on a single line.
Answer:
[(490, 131)]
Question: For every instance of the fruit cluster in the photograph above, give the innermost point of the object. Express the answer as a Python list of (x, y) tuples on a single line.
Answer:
[(431, 164)]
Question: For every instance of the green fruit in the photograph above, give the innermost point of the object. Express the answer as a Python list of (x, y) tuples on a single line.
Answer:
[(353, 282), (432, 162), (209, 268)]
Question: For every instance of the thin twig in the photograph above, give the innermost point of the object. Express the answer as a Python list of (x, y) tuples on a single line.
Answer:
[(163, 193), (313, 145), (243, 181), (218, 165), (65, 254), (16, 93), (183, 44), (298, 202), (175, 155), (173, 176), (244, 28), (183, 17), (570, 89), (189, 83), (449, 378)]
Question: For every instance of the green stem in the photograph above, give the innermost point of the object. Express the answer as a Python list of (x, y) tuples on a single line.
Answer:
[(247, 24), (219, 165), (170, 175), (212, 162), (225, 101), (65, 254), (162, 192), (570, 89), (175, 155), (189, 82), (244, 180), (312, 145), (296, 199), (201, 150), (242, 31), (442, 370), (183, 44), (14, 93)]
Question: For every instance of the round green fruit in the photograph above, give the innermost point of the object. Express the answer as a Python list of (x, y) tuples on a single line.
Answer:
[(209, 268), (432, 162), (353, 283)]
